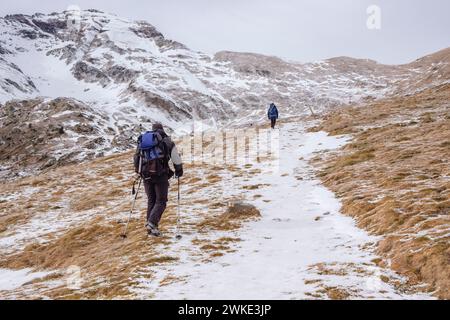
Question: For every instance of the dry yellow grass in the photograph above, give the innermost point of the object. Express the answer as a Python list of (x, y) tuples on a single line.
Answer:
[(98, 191), (337, 293), (236, 214), (394, 179)]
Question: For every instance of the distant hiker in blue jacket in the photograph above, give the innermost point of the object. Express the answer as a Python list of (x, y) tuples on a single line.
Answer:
[(273, 114)]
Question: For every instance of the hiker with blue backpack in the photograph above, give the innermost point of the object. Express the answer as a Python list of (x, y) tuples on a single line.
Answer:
[(273, 115), (151, 162)]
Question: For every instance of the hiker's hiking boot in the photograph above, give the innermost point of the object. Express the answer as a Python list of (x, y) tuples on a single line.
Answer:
[(154, 233), (153, 230)]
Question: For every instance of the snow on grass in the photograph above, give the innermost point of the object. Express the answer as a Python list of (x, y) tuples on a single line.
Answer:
[(13, 279), (24, 193), (301, 227), (40, 226)]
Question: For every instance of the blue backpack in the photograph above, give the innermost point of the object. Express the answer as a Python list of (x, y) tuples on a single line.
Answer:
[(152, 155)]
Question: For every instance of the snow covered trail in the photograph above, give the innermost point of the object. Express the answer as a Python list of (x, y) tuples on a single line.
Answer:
[(302, 247)]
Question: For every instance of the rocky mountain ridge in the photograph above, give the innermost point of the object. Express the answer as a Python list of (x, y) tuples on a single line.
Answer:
[(127, 74)]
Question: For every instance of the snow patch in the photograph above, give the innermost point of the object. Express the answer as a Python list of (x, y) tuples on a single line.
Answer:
[(13, 279)]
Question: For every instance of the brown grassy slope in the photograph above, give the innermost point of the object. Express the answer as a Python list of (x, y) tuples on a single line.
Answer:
[(394, 180), (96, 194), (93, 244)]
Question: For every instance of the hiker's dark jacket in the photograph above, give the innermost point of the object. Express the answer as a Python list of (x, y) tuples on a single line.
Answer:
[(171, 152), (273, 112)]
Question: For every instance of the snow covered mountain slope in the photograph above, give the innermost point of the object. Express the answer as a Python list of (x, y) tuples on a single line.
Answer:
[(114, 65), (128, 74), (14, 83), (130, 69)]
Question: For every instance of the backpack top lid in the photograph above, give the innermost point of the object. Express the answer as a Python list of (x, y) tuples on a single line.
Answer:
[(150, 139)]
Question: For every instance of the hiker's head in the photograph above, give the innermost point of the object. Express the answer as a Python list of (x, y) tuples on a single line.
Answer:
[(157, 126)]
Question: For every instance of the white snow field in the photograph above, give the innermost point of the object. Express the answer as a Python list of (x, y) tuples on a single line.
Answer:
[(300, 246), (13, 279)]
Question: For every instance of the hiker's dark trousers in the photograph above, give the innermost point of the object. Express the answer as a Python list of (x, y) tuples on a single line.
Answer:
[(157, 199), (273, 122)]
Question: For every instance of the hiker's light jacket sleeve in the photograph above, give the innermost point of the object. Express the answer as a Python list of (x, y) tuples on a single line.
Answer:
[(136, 157), (176, 159), (173, 153), (175, 156)]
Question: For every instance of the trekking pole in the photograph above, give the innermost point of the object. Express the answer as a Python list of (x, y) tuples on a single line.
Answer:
[(178, 235), (135, 193)]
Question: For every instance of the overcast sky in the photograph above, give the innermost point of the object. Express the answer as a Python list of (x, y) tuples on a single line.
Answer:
[(301, 30)]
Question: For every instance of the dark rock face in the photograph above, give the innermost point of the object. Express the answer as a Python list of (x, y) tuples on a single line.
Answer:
[(121, 74), (153, 100), (263, 73), (14, 66), (14, 84), (148, 31), (165, 44), (39, 28), (83, 128), (37, 134), (4, 51), (83, 71), (31, 84), (25, 85), (66, 53), (21, 18), (51, 27), (30, 34)]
